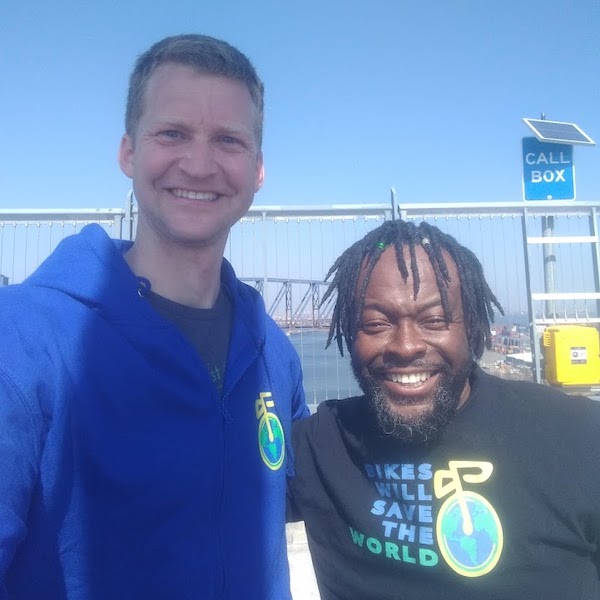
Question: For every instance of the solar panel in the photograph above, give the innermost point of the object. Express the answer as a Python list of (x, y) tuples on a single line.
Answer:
[(556, 131)]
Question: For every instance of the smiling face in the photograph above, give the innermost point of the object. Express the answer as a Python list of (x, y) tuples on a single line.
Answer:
[(411, 363), (194, 159)]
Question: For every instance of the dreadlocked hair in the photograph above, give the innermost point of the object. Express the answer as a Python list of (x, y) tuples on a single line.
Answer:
[(478, 300)]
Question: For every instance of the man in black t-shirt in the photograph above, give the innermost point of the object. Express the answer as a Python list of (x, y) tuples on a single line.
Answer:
[(441, 481)]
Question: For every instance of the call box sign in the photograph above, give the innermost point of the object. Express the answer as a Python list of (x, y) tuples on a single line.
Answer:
[(548, 171)]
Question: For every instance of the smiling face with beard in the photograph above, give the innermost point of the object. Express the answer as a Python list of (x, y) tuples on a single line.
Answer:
[(412, 364), (424, 426)]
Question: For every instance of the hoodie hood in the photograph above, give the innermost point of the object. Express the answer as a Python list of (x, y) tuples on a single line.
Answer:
[(90, 267)]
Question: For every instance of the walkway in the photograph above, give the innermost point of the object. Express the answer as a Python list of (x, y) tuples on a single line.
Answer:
[(303, 582)]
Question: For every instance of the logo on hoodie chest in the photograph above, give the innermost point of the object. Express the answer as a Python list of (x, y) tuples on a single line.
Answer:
[(271, 441)]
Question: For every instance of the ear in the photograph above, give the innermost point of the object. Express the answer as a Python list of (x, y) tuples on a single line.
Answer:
[(126, 153), (260, 172)]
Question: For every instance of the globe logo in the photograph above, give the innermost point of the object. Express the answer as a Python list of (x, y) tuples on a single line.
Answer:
[(475, 553), (271, 441)]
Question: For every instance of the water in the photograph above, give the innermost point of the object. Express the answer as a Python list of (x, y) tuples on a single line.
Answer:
[(326, 374)]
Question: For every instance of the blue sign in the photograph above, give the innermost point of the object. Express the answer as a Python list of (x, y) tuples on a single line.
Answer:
[(548, 172)]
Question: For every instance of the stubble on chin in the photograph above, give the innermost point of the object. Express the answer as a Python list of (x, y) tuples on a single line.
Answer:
[(425, 427)]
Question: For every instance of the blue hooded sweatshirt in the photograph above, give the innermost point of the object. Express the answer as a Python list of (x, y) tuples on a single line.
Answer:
[(124, 474)]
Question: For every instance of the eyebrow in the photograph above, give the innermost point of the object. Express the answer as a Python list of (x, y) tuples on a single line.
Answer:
[(166, 123), (242, 130)]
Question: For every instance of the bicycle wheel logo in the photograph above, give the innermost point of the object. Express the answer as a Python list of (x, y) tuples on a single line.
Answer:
[(468, 530), (271, 441)]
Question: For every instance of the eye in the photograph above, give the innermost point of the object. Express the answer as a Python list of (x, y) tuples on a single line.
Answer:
[(436, 323), (374, 327), (171, 134), (231, 141), (234, 141)]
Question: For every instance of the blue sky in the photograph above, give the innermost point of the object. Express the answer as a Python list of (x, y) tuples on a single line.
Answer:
[(426, 96)]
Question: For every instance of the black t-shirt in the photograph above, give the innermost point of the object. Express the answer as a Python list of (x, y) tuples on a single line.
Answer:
[(207, 329), (505, 506)]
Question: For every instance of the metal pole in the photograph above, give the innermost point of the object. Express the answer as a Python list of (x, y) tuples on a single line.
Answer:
[(395, 211), (549, 260), (128, 220), (549, 266), (265, 281), (595, 231), (535, 345)]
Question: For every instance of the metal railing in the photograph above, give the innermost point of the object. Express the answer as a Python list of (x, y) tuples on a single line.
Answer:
[(541, 259)]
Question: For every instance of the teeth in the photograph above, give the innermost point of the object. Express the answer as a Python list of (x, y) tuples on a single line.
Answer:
[(412, 378), (208, 196)]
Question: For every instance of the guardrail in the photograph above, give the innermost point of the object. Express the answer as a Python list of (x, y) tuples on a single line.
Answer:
[(541, 259)]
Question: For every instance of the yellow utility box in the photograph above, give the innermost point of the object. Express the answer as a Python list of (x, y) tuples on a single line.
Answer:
[(572, 355)]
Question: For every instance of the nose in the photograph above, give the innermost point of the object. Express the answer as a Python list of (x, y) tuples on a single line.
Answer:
[(198, 160), (406, 342)]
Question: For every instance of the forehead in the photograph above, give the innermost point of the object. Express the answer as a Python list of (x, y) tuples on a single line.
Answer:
[(184, 89), (386, 281)]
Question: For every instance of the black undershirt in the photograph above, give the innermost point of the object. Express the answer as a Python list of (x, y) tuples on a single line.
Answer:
[(207, 329)]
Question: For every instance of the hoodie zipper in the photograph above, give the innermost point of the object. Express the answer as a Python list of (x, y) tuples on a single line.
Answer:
[(226, 420)]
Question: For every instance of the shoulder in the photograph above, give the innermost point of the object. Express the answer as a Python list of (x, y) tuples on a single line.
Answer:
[(29, 334), (340, 431), (551, 408), (27, 356), (279, 345), (527, 391), (24, 311), (331, 415)]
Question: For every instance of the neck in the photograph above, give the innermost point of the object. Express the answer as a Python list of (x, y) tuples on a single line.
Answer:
[(190, 276)]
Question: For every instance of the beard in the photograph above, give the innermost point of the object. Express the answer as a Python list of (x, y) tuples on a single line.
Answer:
[(428, 426)]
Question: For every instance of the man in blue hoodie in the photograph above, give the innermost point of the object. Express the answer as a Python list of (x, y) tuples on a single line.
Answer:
[(146, 398)]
